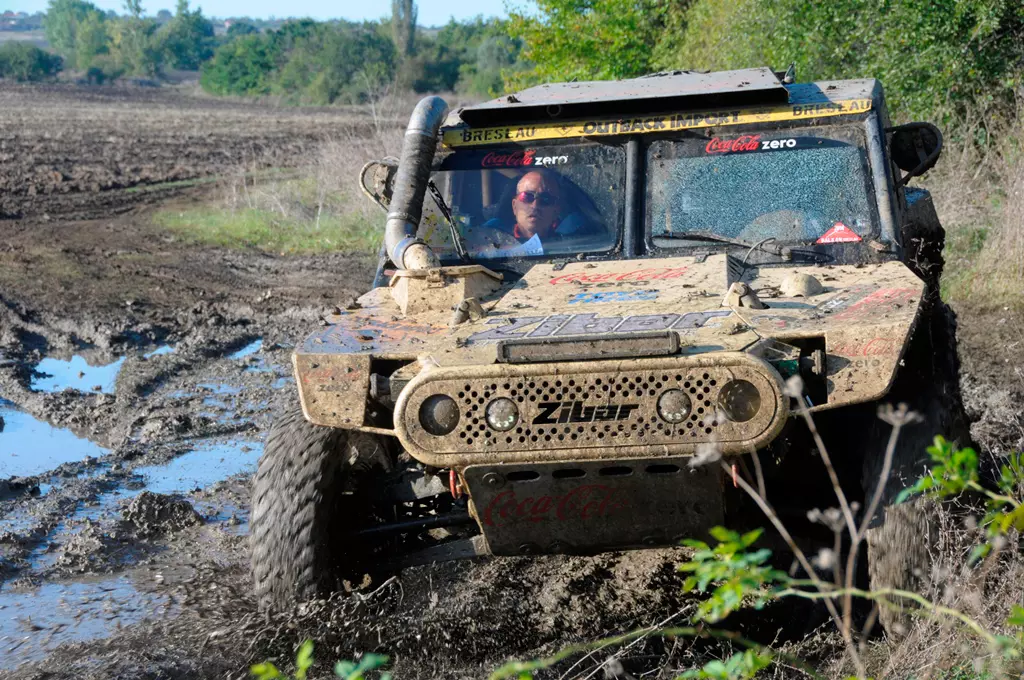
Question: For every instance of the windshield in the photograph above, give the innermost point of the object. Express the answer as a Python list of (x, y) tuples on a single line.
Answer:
[(796, 185), (517, 202)]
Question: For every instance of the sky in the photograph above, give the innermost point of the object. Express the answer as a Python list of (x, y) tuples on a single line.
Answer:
[(432, 12)]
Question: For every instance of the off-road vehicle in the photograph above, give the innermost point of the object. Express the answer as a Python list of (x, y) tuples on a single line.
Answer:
[(698, 239)]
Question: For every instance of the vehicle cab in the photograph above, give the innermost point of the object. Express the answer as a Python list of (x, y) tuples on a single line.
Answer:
[(790, 173)]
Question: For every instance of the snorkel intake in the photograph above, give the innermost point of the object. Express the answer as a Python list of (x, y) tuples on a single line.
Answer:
[(404, 248)]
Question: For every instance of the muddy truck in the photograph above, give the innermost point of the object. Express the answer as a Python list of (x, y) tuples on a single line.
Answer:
[(587, 287)]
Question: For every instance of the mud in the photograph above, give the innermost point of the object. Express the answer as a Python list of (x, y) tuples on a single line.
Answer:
[(138, 376), (123, 510), (72, 151)]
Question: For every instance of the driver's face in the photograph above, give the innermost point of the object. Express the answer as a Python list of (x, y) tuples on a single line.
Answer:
[(536, 204)]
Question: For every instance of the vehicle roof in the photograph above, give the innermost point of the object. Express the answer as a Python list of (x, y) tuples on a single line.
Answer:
[(675, 90)]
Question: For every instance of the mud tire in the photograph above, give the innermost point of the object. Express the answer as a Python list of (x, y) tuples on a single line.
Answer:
[(901, 537), (303, 504)]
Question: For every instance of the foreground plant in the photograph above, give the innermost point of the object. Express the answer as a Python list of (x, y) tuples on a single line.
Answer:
[(349, 670), (733, 574)]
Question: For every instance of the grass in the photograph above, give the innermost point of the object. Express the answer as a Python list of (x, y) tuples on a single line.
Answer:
[(257, 228), (315, 208), (979, 194)]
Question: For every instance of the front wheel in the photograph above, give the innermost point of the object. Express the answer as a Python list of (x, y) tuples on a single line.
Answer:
[(308, 497)]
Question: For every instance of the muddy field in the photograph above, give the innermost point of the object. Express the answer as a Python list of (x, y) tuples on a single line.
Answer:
[(138, 376), (77, 152)]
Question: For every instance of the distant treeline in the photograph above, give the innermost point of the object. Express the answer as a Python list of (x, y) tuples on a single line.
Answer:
[(320, 63), (303, 61)]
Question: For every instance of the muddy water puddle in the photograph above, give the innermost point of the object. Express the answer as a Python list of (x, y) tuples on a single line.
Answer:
[(78, 372), (34, 621), (29, 446), (201, 467), (45, 605)]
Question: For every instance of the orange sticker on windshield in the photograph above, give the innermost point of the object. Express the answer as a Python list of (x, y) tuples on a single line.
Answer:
[(839, 233)]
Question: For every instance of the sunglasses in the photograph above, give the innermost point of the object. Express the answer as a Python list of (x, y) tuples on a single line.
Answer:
[(542, 197)]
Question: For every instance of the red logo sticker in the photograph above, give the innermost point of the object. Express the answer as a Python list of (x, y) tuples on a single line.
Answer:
[(497, 159), (744, 143), (839, 233)]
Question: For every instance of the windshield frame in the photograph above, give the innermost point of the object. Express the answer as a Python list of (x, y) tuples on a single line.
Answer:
[(855, 127), (619, 225)]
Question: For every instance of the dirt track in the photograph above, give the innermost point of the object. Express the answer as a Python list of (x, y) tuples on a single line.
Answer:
[(99, 579)]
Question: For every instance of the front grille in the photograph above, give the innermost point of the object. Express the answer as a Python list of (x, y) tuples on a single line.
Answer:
[(589, 393), (588, 410)]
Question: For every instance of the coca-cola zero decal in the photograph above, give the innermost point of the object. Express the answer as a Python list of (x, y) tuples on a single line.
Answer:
[(505, 158), (755, 143)]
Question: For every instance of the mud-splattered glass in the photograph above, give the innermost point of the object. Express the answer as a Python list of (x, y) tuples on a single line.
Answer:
[(794, 185), (585, 182)]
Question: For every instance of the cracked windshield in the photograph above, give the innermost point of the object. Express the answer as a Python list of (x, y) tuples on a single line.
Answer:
[(514, 203), (796, 186)]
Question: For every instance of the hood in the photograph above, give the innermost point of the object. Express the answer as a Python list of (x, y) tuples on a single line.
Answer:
[(859, 323)]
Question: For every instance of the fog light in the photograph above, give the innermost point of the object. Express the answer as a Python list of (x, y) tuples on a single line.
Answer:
[(740, 400), (439, 414), (674, 406), (502, 414)]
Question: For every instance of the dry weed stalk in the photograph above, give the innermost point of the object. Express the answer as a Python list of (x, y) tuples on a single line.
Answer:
[(964, 604)]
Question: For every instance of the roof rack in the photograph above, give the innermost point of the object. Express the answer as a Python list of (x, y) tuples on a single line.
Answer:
[(670, 90)]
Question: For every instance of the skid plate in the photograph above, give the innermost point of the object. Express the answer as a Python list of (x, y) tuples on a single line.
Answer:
[(589, 507)]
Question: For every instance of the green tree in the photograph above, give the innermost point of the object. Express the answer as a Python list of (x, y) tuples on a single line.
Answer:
[(24, 62), (187, 39), (240, 28), (61, 25), (403, 26), (587, 39), (92, 39), (240, 67), (931, 55)]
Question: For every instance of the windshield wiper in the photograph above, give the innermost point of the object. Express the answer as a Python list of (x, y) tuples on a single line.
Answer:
[(782, 251), (446, 212)]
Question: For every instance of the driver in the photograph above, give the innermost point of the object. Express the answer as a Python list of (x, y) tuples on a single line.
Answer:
[(536, 206), (540, 214)]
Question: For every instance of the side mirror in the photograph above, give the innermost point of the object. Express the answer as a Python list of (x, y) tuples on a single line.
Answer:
[(915, 148), (377, 178)]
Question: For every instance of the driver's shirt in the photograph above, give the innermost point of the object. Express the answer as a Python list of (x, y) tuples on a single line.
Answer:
[(520, 236)]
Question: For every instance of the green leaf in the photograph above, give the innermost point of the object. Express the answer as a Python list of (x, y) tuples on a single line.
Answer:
[(303, 659), (344, 669), (265, 671), (723, 535), (979, 552), (1016, 616)]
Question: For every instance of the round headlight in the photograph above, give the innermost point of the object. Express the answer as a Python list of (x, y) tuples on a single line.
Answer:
[(502, 414), (674, 406), (439, 414), (740, 400)]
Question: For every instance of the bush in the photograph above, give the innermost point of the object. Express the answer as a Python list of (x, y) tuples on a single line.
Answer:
[(242, 66), (306, 61), (24, 62)]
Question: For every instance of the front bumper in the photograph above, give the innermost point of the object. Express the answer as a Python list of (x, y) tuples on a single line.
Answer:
[(590, 410)]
